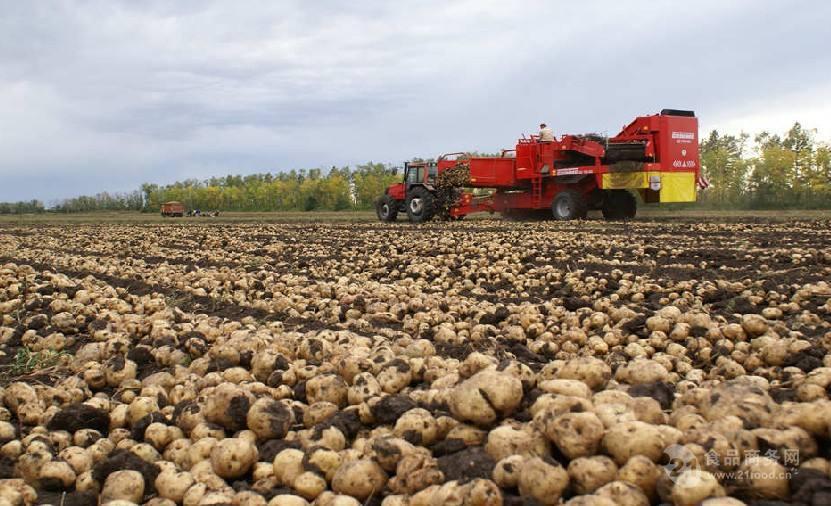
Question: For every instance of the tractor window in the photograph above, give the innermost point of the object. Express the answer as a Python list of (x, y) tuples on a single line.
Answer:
[(415, 174), (432, 172)]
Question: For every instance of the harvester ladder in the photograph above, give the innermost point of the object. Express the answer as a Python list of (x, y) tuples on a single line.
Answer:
[(536, 190)]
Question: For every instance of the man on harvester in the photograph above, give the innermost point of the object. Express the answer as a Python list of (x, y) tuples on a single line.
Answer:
[(546, 134)]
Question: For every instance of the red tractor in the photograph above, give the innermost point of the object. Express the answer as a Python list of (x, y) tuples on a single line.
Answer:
[(656, 156)]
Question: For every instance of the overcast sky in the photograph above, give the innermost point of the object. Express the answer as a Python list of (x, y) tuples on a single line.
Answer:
[(105, 95)]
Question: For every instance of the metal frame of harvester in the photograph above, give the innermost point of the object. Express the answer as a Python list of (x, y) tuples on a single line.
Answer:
[(656, 156)]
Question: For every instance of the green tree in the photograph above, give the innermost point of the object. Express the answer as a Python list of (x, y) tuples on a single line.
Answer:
[(725, 167)]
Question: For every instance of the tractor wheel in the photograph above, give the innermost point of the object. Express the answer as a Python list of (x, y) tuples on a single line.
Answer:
[(386, 208), (619, 205), (421, 205), (569, 205)]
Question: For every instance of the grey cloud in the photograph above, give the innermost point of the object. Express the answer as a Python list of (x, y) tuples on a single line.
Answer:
[(99, 95)]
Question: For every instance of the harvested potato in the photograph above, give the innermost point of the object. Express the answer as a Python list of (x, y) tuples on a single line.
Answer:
[(485, 396), (587, 474), (764, 478), (123, 486), (233, 457), (623, 493), (542, 481), (575, 434), (359, 479), (628, 439), (269, 419), (693, 486)]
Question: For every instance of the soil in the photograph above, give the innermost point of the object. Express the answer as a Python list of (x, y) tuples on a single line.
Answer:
[(466, 465), (80, 416), (122, 460)]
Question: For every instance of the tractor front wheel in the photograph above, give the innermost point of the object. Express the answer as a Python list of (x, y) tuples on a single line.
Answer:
[(386, 208), (569, 205), (421, 205), (619, 205)]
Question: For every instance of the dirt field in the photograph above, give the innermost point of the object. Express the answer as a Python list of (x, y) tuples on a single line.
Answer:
[(644, 214), (490, 361)]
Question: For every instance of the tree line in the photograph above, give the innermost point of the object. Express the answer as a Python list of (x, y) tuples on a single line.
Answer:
[(767, 171), (337, 189), (772, 171)]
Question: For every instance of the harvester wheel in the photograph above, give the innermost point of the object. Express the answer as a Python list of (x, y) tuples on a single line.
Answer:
[(386, 208), (421, 205), (569, 205), (619, 205)]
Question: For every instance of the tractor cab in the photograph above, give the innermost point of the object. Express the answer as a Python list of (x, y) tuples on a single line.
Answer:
[(416, 173), (413, 195)]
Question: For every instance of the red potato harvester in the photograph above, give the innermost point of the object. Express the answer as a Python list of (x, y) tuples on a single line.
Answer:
[(656, 156)]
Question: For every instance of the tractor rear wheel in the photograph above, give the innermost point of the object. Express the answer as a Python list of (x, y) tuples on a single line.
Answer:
[(619, 205), (421, 205), (569, 205), (386, 208)]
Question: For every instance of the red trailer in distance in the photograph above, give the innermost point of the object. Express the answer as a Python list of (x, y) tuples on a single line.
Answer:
[(173, 209)]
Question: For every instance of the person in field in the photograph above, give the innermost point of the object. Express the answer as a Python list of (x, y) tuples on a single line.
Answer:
[(546, 134)]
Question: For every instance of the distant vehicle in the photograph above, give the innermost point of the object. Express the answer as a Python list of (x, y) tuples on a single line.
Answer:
[(173, 209)]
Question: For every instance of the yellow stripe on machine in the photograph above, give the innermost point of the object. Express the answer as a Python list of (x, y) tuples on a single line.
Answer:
[(624, 180), (678, 187), (675, 186)]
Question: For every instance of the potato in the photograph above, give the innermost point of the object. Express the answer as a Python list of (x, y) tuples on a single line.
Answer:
[(309, 484), (56, 475), (623, 493), (233, 457), (722, 501), (589, 500), (642, 472), (486, 396), (269, 419), (123, 486), (417, 425), (569, 387), (506, 472), (228, 406), (173, 485), (287, 500), (414, 472), (505, 441), (575, 434), (693, 486), (326, 460), (327, 388), (587, 474), (77, 458), (764, 478), (288, 465), (628, 439), (542, 481), (641, 371), (594, 372), (359, 479)]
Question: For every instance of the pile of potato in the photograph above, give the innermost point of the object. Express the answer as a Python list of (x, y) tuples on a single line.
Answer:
[(480, 363)]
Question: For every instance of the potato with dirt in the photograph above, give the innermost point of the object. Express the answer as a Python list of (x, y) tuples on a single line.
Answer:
[(233, 457), (541, 481), (359, 479), (486, 396)]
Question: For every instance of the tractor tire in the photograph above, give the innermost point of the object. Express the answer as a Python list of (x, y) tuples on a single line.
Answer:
[(569, 205), (386, 208), (619, 205), (421, 205)]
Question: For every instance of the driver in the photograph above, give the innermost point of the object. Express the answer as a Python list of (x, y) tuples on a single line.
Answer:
[(546, 134)]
